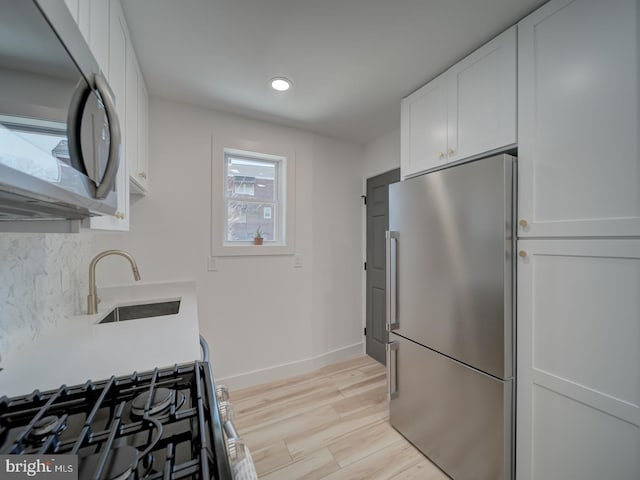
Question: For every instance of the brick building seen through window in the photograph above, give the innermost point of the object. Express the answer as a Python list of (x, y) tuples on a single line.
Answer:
[(252, 199)]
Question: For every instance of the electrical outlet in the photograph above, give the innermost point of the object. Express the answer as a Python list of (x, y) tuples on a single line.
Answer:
[(212, 265), (297, 261)]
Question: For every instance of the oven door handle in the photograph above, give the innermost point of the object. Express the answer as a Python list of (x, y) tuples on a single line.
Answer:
[(110, 172), (242, 466), (204, 346)]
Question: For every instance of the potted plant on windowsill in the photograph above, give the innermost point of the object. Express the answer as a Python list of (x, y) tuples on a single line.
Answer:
[(258, 239)]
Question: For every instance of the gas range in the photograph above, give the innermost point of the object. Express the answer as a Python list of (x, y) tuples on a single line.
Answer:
[(164, 423)]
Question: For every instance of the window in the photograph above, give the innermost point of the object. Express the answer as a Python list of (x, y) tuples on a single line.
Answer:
[(252, 186), (256, 195)]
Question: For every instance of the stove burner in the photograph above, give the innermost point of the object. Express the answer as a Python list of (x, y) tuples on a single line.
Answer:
[(161, 401), (120, 465), (45, 427)]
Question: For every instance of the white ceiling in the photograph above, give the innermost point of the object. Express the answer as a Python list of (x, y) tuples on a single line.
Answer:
[(351, 61)]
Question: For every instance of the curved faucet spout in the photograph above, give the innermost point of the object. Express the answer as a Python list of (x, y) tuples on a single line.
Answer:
[(92, 298)]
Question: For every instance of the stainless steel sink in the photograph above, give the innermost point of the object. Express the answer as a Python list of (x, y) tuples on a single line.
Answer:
[(133, 312)]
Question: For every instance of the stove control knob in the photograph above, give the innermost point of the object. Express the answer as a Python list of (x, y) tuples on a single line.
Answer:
[(222, 392), (236, 449), (226, 411)]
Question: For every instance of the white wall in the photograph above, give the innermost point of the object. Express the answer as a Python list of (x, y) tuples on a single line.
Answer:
[(255, 312), (382, 155)]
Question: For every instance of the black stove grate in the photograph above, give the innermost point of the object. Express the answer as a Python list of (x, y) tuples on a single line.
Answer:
[(180, 437)]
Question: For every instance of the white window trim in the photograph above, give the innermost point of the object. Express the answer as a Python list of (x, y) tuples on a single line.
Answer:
[(218, 246)]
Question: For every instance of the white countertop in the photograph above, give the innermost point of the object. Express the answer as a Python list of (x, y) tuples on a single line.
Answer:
[(79, 349)]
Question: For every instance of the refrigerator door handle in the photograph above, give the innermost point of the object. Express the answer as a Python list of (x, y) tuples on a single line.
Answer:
[(392, 369), (392, 275)]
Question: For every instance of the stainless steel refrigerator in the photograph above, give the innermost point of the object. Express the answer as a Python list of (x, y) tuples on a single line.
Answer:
[(450, 314)]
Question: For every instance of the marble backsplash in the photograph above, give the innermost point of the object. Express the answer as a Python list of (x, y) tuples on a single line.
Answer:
[(42, 276)]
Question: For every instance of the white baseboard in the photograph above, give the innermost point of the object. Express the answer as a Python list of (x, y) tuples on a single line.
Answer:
[(278, 372)]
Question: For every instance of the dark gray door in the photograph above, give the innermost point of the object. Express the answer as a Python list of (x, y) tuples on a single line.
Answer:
[(377, 225)]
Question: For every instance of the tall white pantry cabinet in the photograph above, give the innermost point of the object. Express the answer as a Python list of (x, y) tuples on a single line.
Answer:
[(578, 332)]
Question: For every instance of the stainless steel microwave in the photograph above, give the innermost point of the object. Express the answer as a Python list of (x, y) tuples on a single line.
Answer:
[(59, 133)]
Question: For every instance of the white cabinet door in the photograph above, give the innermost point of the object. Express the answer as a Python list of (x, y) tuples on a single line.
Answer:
[(133, 123), (72, 5), (481, 99), (143, 137), (578, 347), (424, 128), (98, 31), (137, 115), (80, 11), (118, 42), (579, 161), (84, 20)]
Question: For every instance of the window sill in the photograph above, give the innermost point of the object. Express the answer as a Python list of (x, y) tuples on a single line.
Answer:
[(249, 249)]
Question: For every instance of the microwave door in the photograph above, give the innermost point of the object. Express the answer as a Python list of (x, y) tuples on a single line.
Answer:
[(94, 135), (94, 139), (112, 147)]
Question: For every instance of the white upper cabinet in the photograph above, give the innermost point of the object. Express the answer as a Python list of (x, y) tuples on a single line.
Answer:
[(141, 174), (98, 38), (92, 17), (578, 155), (137, 115), (482, 99), (105, 29), (118, 44), (468, 111), (424, 128), (133, 81), (72, 5)]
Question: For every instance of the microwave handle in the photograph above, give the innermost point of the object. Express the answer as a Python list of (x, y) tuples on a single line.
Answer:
[(114, 135), (74, 122)]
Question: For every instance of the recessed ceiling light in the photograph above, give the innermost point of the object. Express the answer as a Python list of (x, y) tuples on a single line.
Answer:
[(280, 84)]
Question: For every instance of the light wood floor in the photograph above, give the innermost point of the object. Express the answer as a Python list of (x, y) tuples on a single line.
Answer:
[(329, 424)]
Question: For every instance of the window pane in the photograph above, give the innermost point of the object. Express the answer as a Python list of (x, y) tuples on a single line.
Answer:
[(251, 177), (244, 218)]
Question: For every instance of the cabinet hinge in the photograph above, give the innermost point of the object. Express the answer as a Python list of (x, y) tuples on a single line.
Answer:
[(364, 199), (365, 331), (365, 266)]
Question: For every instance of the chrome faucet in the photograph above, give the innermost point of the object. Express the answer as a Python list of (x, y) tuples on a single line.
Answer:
[(92, 299)]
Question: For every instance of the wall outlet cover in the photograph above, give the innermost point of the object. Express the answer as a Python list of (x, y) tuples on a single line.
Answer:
[(212, 265)]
